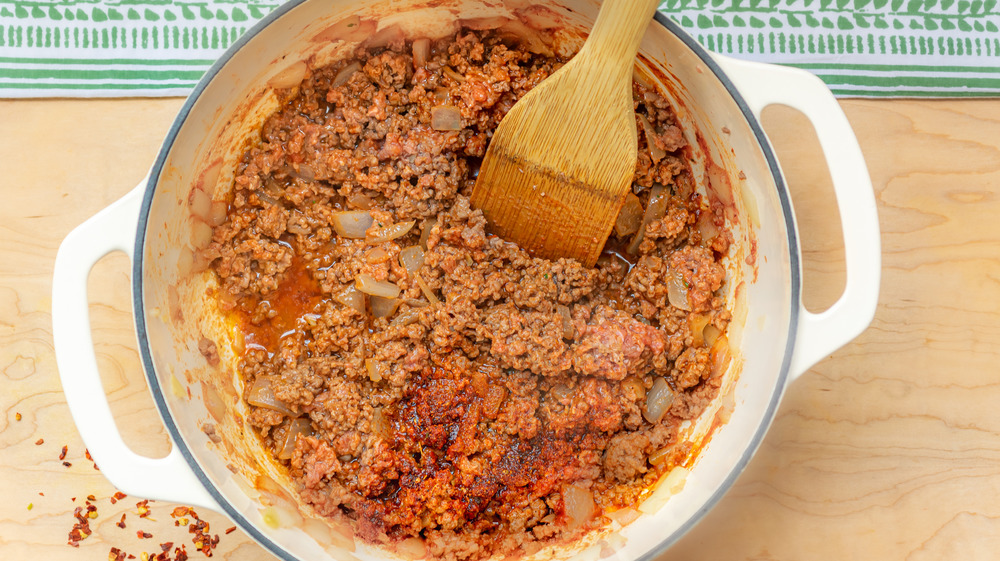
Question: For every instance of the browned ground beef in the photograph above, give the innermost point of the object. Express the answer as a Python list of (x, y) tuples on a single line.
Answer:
[(462, 417)]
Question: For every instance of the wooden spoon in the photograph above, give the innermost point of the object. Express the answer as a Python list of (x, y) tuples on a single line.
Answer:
[(562, 160)]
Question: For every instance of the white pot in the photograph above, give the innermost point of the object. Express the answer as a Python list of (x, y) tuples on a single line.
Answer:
[(717, 97)]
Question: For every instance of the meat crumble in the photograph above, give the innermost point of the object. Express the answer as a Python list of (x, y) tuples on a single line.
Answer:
[(426, 378)]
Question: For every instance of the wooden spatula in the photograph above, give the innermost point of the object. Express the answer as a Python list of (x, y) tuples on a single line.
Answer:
[(561, 162)]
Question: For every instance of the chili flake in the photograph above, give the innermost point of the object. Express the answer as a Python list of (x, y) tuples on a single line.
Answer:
[(230, 530), (143, 535), (121, 523), (116, 554), (62, 455), (67, 464), (39, 442)]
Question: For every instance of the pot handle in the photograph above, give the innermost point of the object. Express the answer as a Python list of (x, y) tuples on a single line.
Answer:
[(820, 334), (169, 478)]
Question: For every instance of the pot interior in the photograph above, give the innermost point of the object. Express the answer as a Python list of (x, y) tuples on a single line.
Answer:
[(176, 310)]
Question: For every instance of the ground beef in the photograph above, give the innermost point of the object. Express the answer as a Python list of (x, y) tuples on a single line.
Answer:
[(459, 411)]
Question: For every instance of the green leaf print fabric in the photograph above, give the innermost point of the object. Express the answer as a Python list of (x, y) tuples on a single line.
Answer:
[(869, 48)]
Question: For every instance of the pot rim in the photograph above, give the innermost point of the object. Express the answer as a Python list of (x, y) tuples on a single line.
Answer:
[(157, 392)]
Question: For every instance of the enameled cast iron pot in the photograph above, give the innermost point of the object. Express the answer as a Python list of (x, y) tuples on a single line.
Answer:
[(719, 99)]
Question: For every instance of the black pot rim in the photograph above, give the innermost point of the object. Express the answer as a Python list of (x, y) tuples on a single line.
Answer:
[(157, 392)]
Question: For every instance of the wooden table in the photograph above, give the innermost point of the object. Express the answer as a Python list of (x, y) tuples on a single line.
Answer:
[(889, 449)]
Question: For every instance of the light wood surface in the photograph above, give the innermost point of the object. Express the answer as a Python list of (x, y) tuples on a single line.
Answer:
[(889, 449)]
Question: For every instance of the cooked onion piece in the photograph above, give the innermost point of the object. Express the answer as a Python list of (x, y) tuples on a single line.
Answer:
[(299, 425), (656, 207), (365, 283), (262, 395), (579, 504), (425, 232), (412, 258), (658, 401), (353, 299), (383, 307), (446, 118), (289, 77), (567, 321), (421, 52), (655, 152), (677, 291), (390, 232), (345, 74), (200, 204), (426, 290), (630, 216), (217, 213), (352, 223)]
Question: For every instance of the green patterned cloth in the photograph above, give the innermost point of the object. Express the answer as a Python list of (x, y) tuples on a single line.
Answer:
[(871, 48)]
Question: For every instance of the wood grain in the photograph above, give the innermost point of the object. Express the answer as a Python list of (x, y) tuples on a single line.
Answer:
[(889, 449)]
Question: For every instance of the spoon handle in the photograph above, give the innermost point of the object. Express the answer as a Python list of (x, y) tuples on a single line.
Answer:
[(616, 35)]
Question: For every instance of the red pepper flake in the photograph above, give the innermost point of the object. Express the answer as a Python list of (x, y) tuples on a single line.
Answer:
[(143, 508), (73, 499), (39, 442), (91, 498), (166, 546), (62, 455), (199, 529), (117, 497), (143, 535), (67, 464), (121, 523), (81, 530), (116, 555), (130, 556), (41, 494), (230, 530)]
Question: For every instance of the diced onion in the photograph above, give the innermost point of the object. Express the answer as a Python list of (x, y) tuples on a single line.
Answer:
[(345, 74), (376, 369), (640, 77), (658, 401), (385, 37), (299, 425), (624, 516), (217, 213), (406, 318), (528, 37), (677, 292), (390, 232), (567, 321), (661, 455), (636, 386), (213, 402), (412, 548), (201, 234), (720, 355), (655, 152), (707, 227), (377, 255), (412, 258), (656, 207), (289, 77), (353, 299), (421, 52), (484, 23), (630, 216), (579, 504), (262, 395), (711, 334), (453, 74), (304, 172), (669, 486), (352, 223), (698, 323), (200, 204), (367, 284), (446, 118), (360, 200), (425, 231), (383, 307), (426, 290)]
